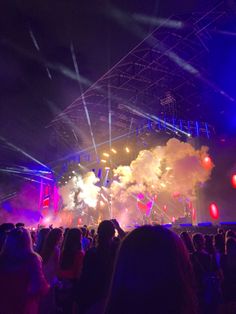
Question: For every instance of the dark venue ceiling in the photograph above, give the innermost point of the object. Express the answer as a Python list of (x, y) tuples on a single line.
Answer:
[(40, 41)]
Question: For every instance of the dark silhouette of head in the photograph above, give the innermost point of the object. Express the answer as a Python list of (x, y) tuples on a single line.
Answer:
[(198, 241), (231, 254), (219, 242), (84, 231), (187, 241), (230, 234), (42, 235), (8, 226), (153, 274), (52, 240), (92, 232), (231, 247), (209, 243), (106, 232), (20, 224), (4, 228), (72, 245), (18, 244)]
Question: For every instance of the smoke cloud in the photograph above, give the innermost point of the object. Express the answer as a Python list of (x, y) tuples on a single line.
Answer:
[(174, 168)]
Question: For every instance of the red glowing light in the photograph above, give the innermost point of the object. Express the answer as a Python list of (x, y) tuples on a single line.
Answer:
[(165, 208), (214, 211), (233, 180), (207, 163)]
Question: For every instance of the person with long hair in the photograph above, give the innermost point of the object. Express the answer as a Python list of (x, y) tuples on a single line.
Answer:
[(70, 266), (71, 259), (51, 254), (228, 265), (22, 281), (187, 241), (153, 274), (97, 270), (41, 237)]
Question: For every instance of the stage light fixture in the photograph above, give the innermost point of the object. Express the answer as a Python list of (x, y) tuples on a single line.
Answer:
[(127, 149), (106, 154), (104, 161), (114, 151)]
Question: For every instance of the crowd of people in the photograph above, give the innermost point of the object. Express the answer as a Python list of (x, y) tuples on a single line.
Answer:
[(109, 271)]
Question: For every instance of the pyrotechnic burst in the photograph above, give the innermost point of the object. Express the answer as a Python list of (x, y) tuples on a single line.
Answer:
[(80, 191)]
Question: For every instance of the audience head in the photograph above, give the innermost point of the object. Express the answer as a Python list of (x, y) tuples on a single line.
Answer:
[(230, 234), (20, 224), (42, 235), (219, 242), (52, 240), (106, 231), (72, 244), (92, 232), (18, 244), (231, 246), (198, 241), (7, 226), (209, 243), (84, 231), (153, 274), (187, 241)]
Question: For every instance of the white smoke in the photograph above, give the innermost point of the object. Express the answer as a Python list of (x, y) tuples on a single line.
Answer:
[(175, 167), (80, 189)]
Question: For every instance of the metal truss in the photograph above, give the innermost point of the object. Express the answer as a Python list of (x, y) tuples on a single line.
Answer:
[(164, 78)]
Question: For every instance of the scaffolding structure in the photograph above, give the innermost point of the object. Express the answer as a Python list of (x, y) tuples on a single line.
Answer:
[(163, 82)]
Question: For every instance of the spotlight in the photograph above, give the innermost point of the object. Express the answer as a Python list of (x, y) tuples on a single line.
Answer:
[(114, 151), (233, 180), (104, 161), (214, 211), (106, 154), (207, 163), (73, 171), (127, 149)]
